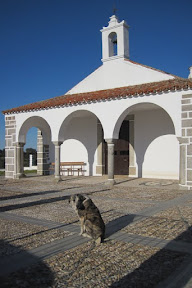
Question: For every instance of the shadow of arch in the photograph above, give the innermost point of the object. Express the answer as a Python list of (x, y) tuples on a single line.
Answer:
[(131, 110), (38, 122), (13, 267), (80, 126), (75, 114)]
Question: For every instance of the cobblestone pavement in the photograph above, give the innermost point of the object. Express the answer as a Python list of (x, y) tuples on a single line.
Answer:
[(148, 234)]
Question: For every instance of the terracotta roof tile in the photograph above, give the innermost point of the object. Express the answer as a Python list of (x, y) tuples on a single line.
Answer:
[(129, 91)]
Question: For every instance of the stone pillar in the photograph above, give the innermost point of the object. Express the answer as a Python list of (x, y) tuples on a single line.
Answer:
[(132, 166), (110, 149), (39, 153), (42, 155), (10, 147), (46, 159), (100, 164), (186, 143), (182, 162), (19, 160), (57, 160)]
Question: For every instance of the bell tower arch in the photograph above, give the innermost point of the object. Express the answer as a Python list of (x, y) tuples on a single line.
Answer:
[(115, 40)]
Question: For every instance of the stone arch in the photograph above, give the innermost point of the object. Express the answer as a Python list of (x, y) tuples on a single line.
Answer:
[(152, 128), (43, 143), (131, 109), (38, 122), (74, 114), (82, 127)]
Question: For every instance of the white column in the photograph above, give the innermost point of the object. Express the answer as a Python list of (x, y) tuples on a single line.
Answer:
[(132, 165), (57, 160), (30, 160), (19, 160), (100, 166), (110, 149)]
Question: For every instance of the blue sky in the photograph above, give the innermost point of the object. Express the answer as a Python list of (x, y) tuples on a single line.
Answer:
[(48, 46)]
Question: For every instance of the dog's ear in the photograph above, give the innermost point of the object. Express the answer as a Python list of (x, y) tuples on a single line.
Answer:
[(80, 205), (81, 197), (88, 203)]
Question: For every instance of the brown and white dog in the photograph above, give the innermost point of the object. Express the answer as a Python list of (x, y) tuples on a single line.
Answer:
[(92, 224)]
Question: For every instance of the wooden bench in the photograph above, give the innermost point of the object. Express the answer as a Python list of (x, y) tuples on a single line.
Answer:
[(70, 168)]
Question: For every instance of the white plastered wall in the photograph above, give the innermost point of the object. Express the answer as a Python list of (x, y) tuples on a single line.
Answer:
[(108, 112), (118, 73), (156, 146), (80, 143)]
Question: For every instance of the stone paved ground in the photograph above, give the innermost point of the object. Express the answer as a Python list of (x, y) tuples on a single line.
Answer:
[(148, 234)]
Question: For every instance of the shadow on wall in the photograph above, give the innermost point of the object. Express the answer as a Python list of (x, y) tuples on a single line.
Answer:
[(22, 269), (80, 141), (149, 126)]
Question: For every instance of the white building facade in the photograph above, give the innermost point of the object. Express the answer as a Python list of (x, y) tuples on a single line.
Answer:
[(124, 118)]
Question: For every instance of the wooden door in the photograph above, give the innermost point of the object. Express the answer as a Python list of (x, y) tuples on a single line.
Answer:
[(121, 155)]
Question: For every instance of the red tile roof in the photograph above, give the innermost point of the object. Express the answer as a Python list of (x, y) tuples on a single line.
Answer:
[(129, 91)]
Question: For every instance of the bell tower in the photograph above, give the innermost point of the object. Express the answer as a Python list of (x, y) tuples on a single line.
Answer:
[(115, 40)]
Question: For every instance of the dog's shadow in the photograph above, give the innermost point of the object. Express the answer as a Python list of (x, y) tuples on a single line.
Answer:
[(117, 224)]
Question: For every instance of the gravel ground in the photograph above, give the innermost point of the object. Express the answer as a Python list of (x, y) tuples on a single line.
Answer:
[(60, 212), (6, 194), (161, 228), (180, 212), (112, 264), (63, 213), (142, 193), (16, 235), (123, 205), (28, 186)]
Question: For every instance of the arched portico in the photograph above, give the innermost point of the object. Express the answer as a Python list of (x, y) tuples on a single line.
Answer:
[(150, 129), (38, 122), (81, 138), (43, 143), (141, 107)]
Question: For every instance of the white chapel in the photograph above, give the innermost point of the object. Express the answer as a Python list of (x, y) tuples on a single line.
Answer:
[(125, 118)]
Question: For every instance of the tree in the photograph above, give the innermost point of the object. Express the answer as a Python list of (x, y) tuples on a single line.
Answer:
[(2, 159), (27, 152)]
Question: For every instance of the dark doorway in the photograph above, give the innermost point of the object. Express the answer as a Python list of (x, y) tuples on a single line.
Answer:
[(121, 154), (121, 157)]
